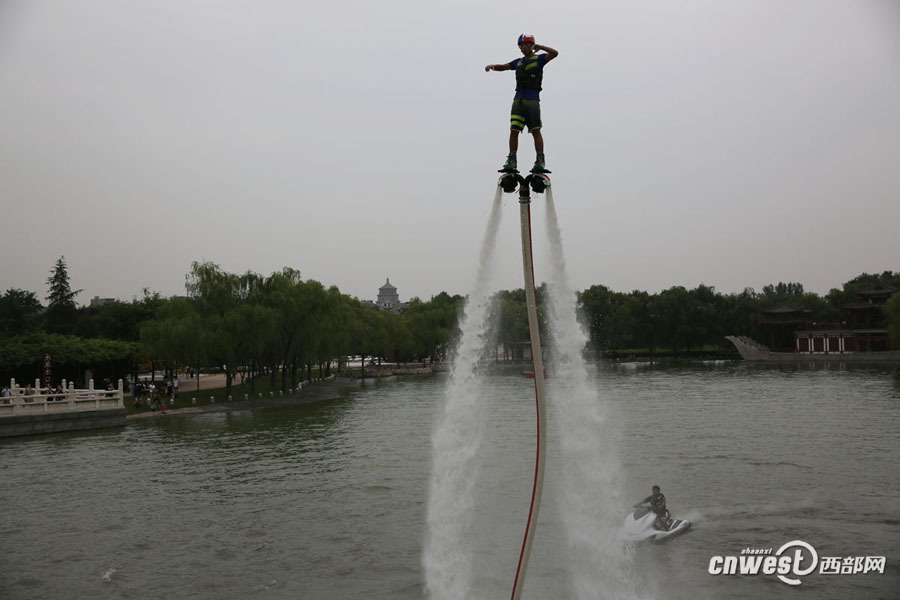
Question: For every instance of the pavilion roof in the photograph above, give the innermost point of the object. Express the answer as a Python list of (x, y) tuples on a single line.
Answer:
[(784, 309)]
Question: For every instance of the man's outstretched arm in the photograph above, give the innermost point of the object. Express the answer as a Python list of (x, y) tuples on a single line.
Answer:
[(503, 67)]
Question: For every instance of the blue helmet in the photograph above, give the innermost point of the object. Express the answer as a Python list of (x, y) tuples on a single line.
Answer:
[(525, 37)]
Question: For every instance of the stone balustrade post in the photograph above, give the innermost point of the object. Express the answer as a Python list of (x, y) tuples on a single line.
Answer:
[(13, 395), (37, 398), (121, 394)]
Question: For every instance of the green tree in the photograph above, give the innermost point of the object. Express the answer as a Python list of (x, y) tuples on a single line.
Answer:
[(624, 326), (782, 292), (218, 295), (509, 318), (649, 316), (892, 315), (301, 308), (704, 314), (357, 322), (739, 314), (378, 343), (434, 324), (675, 327), (177, 334), (61, 307), (598, 305), (118, 320), (19, 312), (346, 324), (848, 292), (400, 338), (21, 355), (255, 326)]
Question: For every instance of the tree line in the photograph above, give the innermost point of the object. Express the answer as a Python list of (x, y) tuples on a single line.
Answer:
[(246, 324), (282, 325), (294, 329), (679, 319)]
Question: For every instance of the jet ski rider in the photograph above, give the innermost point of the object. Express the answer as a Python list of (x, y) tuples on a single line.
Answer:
[(657, 502)]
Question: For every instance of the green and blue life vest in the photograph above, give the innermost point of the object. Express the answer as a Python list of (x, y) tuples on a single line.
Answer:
[(529, 75)]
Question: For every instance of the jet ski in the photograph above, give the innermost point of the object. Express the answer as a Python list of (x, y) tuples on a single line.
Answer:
[(642, 525)]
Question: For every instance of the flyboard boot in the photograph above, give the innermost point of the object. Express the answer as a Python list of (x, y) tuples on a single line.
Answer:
[(510, 166), (539, 166), (510, 179)]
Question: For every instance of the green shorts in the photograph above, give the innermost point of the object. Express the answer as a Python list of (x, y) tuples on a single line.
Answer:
[(525, 113)]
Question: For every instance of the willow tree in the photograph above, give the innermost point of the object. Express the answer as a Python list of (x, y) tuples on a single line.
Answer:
[(219, 294), (434, 325), (176, 335)]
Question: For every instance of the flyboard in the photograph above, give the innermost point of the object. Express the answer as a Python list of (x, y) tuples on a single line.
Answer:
[(538, 182)]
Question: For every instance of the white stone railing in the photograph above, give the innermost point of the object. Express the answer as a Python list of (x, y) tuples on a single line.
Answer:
[(38, 400)]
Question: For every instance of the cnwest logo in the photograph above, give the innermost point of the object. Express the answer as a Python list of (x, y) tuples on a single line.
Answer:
[(790, 562)]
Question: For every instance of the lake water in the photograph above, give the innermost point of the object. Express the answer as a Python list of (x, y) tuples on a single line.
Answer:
[(328, 500)]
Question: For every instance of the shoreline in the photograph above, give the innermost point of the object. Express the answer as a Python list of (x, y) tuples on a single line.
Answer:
[(324, 390)]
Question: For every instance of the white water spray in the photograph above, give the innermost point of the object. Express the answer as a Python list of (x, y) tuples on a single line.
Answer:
[(591, 506), (447, 558)]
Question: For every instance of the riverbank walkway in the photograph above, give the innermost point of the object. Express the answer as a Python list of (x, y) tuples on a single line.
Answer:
[(329, 388), (36, 410), (37, 400)]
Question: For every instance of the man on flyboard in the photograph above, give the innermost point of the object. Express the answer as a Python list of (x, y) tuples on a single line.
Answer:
[(526, 106)]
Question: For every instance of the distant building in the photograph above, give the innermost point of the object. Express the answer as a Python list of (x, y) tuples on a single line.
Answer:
[(782, 322), (388, 299), (864, 329), (98, 301)]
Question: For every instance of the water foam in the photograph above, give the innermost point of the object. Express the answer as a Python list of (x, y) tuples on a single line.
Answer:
[(589, 496), (447, 558)]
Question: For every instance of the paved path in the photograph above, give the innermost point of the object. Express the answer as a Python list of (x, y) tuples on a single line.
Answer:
[(207, 382)]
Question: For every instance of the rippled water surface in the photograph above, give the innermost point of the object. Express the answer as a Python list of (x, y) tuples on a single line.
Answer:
[(328, 500)]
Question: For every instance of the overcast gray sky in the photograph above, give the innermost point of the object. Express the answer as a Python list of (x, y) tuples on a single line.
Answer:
[(732, 143)]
